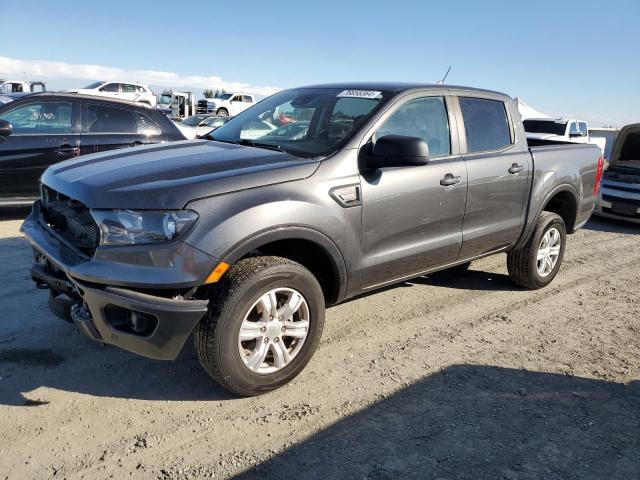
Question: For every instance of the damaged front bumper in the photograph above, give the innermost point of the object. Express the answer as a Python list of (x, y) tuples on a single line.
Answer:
[(129, 310)]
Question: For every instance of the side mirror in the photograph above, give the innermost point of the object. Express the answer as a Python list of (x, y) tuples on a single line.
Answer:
[(398, 151), (5, 128)]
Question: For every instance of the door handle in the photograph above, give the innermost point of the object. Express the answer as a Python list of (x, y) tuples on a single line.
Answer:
[(515, 168), (66, 150), (449, 180)]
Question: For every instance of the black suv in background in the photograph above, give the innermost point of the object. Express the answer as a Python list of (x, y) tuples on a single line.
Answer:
[(42, 129)]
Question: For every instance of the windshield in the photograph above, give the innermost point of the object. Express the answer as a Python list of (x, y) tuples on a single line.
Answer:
[(164, 100), (306, 122), (214, 121), (93, 85), (551, 127), (194, 120), (224, 96)]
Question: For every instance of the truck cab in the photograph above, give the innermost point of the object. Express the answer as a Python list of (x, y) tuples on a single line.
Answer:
[(244, 238)]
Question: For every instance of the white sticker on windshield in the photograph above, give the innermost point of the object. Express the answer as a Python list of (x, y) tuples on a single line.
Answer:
[(360, 94)]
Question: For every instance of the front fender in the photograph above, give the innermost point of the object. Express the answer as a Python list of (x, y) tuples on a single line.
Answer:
[(234, 225)]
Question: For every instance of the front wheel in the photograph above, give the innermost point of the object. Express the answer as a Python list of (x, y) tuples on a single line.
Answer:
[(264, 323), (536, 264), (222, 112)]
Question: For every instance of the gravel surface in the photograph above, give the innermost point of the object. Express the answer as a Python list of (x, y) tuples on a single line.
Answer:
[(443, 377)]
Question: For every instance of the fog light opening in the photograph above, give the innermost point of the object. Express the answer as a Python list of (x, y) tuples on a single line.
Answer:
[(131, 321)]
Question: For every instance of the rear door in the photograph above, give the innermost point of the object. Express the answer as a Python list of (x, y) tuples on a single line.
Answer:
[(107, 127), (44, 132), (498, 166), (129, 92), (412, 215)]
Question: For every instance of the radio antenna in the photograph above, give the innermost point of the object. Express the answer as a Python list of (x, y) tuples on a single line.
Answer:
[(445, 76)]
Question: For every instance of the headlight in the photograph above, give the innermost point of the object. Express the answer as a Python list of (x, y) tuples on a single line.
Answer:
[(136, 227)]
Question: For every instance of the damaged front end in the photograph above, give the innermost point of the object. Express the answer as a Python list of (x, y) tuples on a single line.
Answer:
[(137, 299)]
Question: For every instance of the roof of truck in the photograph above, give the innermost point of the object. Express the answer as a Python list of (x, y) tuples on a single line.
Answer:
[(398, 86)]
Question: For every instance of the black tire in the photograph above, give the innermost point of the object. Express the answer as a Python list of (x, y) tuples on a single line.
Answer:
[(216, 335), (522, 264), (222, 112)]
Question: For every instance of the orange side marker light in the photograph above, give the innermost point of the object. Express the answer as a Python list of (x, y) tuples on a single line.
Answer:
[(217, 273)]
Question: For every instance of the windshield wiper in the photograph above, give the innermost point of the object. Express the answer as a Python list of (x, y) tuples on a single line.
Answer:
[(253, 143)]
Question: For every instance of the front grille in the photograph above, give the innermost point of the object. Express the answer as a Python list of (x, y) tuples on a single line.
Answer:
[(621, 212), (630, 201), (71, 220)]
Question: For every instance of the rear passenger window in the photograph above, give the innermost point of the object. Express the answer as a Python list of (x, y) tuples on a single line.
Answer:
[(486, 124), (247, 98), (145, 125), (105, 119), (425, 118)]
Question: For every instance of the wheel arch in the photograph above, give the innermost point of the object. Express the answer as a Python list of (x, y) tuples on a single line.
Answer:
[(307, 246), (563, 200)]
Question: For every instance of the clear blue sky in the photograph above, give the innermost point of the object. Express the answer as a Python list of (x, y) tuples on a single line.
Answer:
[(563, 57)]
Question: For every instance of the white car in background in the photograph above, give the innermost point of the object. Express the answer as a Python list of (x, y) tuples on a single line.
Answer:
[(134, 92), (227, 104)]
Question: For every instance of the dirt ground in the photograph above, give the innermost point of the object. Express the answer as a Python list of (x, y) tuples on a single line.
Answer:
[(441, 377)]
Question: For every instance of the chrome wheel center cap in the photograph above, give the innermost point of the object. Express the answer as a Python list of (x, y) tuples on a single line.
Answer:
[(274, 328)]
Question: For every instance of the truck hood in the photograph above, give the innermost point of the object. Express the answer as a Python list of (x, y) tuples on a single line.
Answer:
[(168, 176), (626, 150)]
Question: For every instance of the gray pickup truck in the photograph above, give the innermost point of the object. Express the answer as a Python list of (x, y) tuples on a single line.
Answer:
[(308, 198)]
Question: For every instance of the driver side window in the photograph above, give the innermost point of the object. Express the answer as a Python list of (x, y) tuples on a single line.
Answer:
[(425, 118), (40, 118)]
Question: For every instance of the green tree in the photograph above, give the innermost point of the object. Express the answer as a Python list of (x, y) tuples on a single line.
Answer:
[(209, 93)]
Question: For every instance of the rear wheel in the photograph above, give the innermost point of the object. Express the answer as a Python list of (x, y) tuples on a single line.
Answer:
[(536, 264), (222, 112), (264, 324)]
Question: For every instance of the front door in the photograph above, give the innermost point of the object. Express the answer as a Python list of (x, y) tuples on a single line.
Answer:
[(412, 216), (499, 170), (44, 132), (236, 105)]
